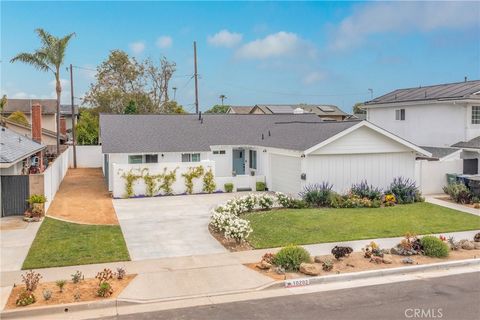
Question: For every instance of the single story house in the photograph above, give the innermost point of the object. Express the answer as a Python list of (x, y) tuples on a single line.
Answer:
[(285, 151), (326, 112)]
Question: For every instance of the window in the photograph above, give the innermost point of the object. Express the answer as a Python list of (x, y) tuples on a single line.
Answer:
[(151, 158), (137, 158), (400, 114), (190, 157), (476, 115), (219, 152), (253, 159)]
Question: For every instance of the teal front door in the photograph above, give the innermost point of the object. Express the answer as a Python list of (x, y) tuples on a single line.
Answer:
[(239, 161)]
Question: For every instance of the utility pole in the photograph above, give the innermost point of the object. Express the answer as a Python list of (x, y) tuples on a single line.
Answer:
[(74, 142), (195, 75), (174, 93), (371, 94)]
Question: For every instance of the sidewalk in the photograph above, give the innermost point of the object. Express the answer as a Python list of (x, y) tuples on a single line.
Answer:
[(433, 199)]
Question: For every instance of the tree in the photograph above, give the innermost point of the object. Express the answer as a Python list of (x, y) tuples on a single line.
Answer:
[(131, 108), (357, 108), (49, 57), (18, 117), (222, 97), (218, 109), (87, 128), (172, 107), (121, 79), (3, 103)]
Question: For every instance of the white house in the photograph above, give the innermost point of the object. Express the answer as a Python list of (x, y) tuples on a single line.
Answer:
[(286, 151)]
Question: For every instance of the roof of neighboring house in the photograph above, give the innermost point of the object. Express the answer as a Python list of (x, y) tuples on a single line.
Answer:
[(10, 123), (66, 109), (440, 152), (318, 109), (15, 147), (49, 106), (447, 91), (240, 109), (471, 144), (177, 133)]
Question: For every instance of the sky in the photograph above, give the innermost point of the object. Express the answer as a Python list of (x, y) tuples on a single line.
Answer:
[(253, 52)]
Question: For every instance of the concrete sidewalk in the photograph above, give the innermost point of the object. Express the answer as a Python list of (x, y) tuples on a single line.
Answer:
[(433, 199)]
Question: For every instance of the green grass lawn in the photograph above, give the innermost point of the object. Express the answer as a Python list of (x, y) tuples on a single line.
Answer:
[(61, 243), (278, 228)]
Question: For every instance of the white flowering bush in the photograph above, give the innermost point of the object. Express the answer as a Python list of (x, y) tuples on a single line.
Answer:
[(238, 229), (283, 199), (265, 202)]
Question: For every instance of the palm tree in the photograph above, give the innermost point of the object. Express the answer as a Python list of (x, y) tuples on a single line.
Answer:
[(49, 57), (222, 97)]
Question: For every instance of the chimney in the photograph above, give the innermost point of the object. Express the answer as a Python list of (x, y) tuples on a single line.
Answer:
[(63, 126), (37, 122)]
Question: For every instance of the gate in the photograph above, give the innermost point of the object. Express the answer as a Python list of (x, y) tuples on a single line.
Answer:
[(15, 192)]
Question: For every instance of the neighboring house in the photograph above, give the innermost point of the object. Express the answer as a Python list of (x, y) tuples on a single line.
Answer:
[(48, 137), (240, 109), (323, 111), (437, 115), (49, 111), (285, 151), (470, 155)]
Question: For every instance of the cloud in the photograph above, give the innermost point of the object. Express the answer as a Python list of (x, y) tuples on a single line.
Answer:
[(378, 18), (314, 77), (225, 38), (164, 42), (137, 47), (278, 44)]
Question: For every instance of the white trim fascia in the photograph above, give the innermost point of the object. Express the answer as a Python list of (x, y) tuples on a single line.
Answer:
[(367, 124)]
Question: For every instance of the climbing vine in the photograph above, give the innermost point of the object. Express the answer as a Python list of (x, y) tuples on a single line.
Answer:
[(130, 178), (151, 181), (167, 180), (209, 182), (192, 173)]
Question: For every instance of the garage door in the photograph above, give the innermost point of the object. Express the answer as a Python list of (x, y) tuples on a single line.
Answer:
[(285, 173)]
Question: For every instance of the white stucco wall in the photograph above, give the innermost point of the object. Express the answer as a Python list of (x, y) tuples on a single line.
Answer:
[(437, 124), (431, 176), (87, 156)]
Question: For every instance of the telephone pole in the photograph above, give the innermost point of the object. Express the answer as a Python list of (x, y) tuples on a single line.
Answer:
[(73, 119), (174, 93), (195, 75)]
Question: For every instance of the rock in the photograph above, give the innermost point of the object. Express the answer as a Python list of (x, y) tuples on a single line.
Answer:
[(476, 238), (264, 265), (387, 259), (394, 251), (309, 269), (408, 260), (376, 260), (477, 245), (467, 245), (279, 270), (319, 259)]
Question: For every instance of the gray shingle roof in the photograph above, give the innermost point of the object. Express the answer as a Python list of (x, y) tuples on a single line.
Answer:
[(459, 90), (49, 106), (15, 147), (318, 109), (177, 133), (471, 144), (241, 109), (440, 152)]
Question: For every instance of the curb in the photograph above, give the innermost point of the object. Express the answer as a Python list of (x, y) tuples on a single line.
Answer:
[(110, 307)]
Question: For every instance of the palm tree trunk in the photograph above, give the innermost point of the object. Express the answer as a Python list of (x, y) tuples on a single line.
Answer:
[(58, 89)]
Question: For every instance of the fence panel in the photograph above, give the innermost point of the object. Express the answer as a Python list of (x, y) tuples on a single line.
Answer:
[(15, 192)]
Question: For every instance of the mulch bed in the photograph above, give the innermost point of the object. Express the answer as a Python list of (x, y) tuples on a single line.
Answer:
[(447, 199), (87, 289), (229, 244)]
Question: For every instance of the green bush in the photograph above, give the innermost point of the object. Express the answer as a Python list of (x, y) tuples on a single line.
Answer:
[(434, 247), (228, 187), (336, 200), (260, 186), (290, 257), (458, 192), (37, 198), (317, 195), (404, 190), (364, 190)]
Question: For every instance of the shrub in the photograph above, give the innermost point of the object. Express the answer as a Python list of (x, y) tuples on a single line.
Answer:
[(167, 180), (364, 190), (228, 187), (36, 198), (434, 247), (265, 202), (389, 200), (121, 273), (31, 280), (404, 190), (60, 284), (327, 265), (458, 192), (130, 178), (340, 252), (290, 257), (77, 276), (209, 182), (354, 201), (77, 296), (238, 229), (104, 276), (290, 202), (25, 298), (260, 186), (317, 195), (47, 294), (336, 200), (193, 173), (104, 289), (268, 257)]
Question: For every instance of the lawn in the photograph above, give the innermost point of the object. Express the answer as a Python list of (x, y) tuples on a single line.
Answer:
[(278, 228), (61, 243)]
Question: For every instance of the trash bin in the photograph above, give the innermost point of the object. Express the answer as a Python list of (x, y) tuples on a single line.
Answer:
[(451, 178)]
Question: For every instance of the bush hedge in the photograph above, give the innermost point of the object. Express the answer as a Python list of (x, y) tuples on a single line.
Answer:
[(434, 247), (290, 257)]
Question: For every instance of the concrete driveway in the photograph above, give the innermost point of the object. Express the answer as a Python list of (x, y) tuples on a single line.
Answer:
[(171, 226)]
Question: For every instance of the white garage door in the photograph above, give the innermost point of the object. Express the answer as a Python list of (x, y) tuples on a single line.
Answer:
[(343, 170), (285, 173)]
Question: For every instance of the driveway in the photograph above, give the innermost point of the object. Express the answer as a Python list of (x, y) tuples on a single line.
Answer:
[(171, 226)]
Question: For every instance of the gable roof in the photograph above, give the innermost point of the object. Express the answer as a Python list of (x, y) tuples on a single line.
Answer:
[(240, 109), (440, 152), (49, 133), (49, 106), (318, 109), (447, 91), (182, 133), (15, 147), (471, 144)]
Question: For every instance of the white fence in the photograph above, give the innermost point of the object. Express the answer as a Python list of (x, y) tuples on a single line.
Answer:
[(53, 177), (87, 156), (431, 176)]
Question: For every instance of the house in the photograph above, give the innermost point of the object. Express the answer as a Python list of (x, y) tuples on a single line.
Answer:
[(325, 112), (239, 109), (438, 115), (49, 112), (470, 155), (286, 151)]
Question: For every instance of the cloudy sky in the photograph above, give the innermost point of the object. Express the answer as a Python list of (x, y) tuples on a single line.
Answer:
[(254, 52)]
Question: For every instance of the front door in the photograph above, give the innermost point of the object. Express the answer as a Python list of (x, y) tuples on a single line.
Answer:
[(239, 161)]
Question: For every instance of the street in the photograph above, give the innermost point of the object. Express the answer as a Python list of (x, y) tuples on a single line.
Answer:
[(452, 297)]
